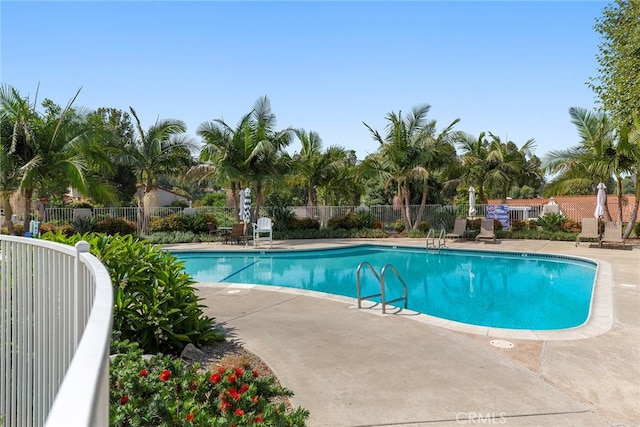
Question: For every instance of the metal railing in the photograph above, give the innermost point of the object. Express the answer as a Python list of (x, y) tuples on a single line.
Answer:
[(56, 313), (434, 215)]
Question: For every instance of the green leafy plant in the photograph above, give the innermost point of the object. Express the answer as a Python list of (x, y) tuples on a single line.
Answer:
[(551, 222), (83, 224), (282, 217), (155, 303), (167, 392)]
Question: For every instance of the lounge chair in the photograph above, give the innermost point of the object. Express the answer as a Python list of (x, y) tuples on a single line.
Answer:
[(263, 226), (589, 230), (612, 234), (459, 229), (236, 234), (486, 231)]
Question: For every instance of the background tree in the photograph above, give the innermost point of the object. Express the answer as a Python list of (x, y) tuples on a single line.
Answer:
[(409, 151), (55, 150), (618, 84), (119, 136)]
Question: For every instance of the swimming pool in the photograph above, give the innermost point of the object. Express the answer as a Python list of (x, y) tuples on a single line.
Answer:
[(502, 290)]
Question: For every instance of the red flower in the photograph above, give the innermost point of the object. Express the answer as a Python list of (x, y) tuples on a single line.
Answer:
[(190, 417), (244, 388), (144, 373), (215, 378), (239, 412), (255, 374), (258, 418), (165, 375), (234, 394), (255, 399), (231, 378), (124, 399), (224, 405), (239, 372), (221, 370)]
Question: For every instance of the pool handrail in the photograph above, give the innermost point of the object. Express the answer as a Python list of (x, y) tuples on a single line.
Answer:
[(380, 277)]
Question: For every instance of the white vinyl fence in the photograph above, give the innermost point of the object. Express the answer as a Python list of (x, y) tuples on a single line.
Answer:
[(434, 215), (56, 308)]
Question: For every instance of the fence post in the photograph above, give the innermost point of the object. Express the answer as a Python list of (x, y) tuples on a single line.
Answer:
[(80, 314)]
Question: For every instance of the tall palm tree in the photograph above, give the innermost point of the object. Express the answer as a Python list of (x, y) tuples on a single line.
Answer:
[(409, 151), (597, 159), (251, 154), (163, 149)]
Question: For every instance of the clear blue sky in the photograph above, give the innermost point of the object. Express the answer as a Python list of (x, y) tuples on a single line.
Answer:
[(511, 68)]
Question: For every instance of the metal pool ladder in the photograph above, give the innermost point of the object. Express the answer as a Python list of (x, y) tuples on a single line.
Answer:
[(380, 278), (442, 242)]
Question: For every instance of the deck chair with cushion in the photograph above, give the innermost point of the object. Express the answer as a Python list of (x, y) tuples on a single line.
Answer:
[(612, 234), (263, 226), (589, 230), (486, 231), (459, 229), (236, 234)]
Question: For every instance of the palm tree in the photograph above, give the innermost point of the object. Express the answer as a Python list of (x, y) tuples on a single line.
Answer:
[(164, 149), (597, 159), (506, 163), (253, 154), (54, 150), (473, 159), (409, 152)]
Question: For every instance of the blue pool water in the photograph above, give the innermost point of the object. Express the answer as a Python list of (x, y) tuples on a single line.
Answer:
[(515, 291)]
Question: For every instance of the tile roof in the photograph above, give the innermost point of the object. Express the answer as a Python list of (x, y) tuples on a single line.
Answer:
[(577, 207)]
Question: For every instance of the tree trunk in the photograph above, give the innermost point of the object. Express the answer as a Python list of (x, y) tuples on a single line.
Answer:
[(27, 193), (406, 212), (8, 213), (423, 204), (634, 213)]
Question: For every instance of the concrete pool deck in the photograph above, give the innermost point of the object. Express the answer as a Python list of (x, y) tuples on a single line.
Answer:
[(354, 367)]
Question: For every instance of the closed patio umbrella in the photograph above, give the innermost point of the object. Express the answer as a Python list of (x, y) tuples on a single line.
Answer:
[(601, 200), (246, 211), (472, 202)]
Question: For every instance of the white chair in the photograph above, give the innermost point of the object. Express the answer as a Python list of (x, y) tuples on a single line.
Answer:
[(263, 226)]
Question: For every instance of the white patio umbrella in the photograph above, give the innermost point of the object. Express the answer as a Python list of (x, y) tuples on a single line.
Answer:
[(601, 200), (472, 202)]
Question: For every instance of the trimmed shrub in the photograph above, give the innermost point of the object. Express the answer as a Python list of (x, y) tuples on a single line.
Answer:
[(155, 303), (113, 226), (398, 226)]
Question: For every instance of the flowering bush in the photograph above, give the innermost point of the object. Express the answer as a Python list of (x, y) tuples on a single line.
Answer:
[(167, 392), (154, 299)]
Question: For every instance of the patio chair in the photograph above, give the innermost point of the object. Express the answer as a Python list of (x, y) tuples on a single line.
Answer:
[(236, 234), (612, 234), (459, 229), (486, 231), (589, 230), (263, 226)]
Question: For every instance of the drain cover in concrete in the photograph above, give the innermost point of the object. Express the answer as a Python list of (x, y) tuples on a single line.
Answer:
[(501, 344)]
